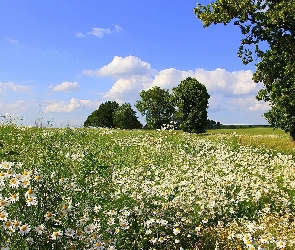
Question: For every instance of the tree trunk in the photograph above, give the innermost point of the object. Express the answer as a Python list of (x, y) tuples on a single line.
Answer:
[(292, 136)]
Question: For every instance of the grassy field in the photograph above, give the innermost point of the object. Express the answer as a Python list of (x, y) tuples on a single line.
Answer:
[(112, 189)]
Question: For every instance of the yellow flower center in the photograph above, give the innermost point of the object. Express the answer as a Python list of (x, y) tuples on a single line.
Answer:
[(30, 191)]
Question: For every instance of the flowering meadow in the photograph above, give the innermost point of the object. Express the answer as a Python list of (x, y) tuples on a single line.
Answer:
[(88, 188)]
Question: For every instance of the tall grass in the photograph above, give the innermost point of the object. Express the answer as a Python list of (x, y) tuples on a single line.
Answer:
[(113, 189)]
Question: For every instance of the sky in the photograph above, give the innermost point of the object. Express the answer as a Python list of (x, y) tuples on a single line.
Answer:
[(60, 59)]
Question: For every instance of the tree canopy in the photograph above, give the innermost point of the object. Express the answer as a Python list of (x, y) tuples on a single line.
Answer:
[(260, 21), (103, 116), (125, 117), (156, 106), (191, 100)]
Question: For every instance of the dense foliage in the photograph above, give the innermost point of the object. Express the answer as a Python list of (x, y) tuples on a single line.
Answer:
[(271, 22), (103, 116), (191, 100), (111, 115), (125, 117), (156, 106)]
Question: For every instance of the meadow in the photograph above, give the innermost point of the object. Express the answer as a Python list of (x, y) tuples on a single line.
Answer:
[(89, 188)]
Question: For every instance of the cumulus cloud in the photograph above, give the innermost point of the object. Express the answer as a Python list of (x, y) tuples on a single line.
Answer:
[(75, 105), (126, 89), (10, 86), (66, 87), (123, 67), (216, 81), (100, 32), (229, 91)]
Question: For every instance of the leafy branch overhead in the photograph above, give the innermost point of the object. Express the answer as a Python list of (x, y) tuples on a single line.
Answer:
[(271, 22)]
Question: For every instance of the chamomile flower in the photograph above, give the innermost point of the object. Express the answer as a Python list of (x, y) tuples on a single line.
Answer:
[(3, 216), (24, 229), (32, 201), (281, 244), (56, 235), (70, 232), (40, 229), (49, 216), (89, 228), (14, 183), (176, 230), (30, 194)]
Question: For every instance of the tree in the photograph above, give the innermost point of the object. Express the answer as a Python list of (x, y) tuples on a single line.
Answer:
[(271, 22), (191, 100), (156, 106), (103, 116), (125, 117)]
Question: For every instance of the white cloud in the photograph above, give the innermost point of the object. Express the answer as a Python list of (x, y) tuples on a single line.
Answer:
[(260, 106), (75, 105), (123, 67), (79, 34), (229, 91), (216, 81), (118, 28), (10, 86), (66, 87), (100, 32), (126, 89)]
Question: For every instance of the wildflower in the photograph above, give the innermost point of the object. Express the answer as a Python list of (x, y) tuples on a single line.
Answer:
[(79, 234), (4, 203), (3, 216), (25, 183), (14, 198), (40, 229), (14, 183), (30, 194), (97, 208), (38, 177), (281, 244), (176, 231), (124, 224), (32, 201), (111, 221), (56, 235), (89, 229), (6, 165), (153, 240), (8, 225), (98, 245), (5, 247), (70, 232), (49, 216), (24, 229)]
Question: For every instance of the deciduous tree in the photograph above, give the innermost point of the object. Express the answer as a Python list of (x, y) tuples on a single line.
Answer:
[(125, 117), (191, 99), (103, 116), (156, 106)]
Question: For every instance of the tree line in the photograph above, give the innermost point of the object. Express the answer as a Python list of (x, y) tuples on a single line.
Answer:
[(186, 108)]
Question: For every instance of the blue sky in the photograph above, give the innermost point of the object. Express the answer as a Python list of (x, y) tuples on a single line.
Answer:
[(61, 59)]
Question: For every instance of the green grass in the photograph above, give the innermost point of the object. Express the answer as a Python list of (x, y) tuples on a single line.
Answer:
[(142, 189)]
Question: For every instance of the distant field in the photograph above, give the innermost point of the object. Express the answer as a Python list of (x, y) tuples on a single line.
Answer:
[(261, 137)]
